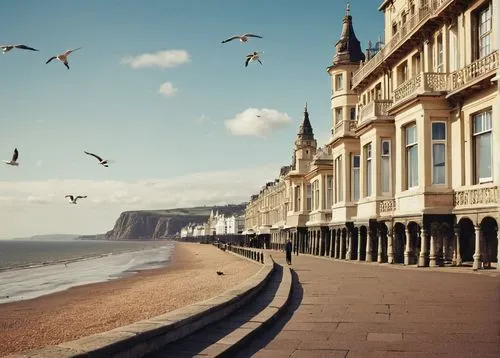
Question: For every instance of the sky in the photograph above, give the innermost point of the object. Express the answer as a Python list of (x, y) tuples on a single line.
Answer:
[(155, 90)]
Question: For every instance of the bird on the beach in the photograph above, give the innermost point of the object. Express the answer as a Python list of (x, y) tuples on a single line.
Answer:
[(103, 162), (63, 57), (13, 161), (73, 199), (7, 48), (254, 56), (220, 273), (242, 38)]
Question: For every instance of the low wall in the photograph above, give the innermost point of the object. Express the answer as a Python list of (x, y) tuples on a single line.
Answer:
[(147, 336), (252, 254)]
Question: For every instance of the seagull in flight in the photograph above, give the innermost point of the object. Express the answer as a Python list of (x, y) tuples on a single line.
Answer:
[(63, 57), (253, 57), (13, 161), (7, 48), (73, 199), (242, 38), (103, 162)]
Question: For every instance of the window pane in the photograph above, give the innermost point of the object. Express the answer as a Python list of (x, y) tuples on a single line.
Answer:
[(353, 114), (438, 163), (438, 131), (356, 161), (369, 178), (355, 182), (385, 174), (483, 157), (412, 160), (386, 147), (411, 135)]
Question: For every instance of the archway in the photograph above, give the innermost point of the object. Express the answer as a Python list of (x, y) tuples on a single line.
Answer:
[(354, 242), (382, 234), (489, 249), (399, 243), (414, 250), (467, 240), (362, 235)]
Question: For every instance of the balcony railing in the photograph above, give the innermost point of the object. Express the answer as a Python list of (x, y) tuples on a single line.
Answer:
[(375, 109), (476, 196), (342, 128), (387, 207), (476, 70), (425, 82), (432, 8)]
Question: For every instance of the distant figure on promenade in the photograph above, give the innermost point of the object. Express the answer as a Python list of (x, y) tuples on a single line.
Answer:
[(288, 251)]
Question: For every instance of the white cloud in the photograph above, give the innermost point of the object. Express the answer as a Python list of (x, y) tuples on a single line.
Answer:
[(256, 122), (39, 207), (167, 89), (163, 59)]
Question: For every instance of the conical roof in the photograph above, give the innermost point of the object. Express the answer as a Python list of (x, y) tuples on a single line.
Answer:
[(348, 48)]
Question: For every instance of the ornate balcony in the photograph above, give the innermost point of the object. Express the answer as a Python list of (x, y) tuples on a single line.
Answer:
[(378, 109), (475, 72), (424, 83), (479, 196), (387, 207), (343, 129), (431, 8)]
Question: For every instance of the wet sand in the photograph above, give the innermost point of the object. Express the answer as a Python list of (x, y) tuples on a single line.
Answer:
[(94, 308)]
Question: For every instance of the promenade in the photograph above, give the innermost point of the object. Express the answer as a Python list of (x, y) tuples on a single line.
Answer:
[(346, 309)]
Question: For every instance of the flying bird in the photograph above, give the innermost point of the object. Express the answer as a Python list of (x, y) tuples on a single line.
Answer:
[(13, 161), (73, 199), (253, 57), (7, 48), (63, 57), (242, 38), (103, 162)]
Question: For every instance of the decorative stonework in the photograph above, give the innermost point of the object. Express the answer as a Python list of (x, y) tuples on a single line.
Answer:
[(387, 206), (476, 196), (484, 66), (374, 110), (425, 82)]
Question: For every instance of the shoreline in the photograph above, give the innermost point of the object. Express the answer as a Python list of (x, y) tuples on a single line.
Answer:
[(88, 309)]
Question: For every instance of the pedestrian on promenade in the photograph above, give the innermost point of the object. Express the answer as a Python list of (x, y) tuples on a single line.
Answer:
[(288, 252)]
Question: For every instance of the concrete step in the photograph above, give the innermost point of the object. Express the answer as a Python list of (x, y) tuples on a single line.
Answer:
[(223, 339)]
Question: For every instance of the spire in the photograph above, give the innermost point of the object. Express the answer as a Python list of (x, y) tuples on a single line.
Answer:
[(348, 48), (305, 129)]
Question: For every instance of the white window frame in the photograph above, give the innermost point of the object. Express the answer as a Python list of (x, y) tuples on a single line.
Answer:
[(353, 182), (386, 156), (297, 193), (486, 121), (368, 153), (483, 51), (339, 193), (316, 194), (309, 197), (339, 82), (439, 65), (407, 148), (329, 191), (443, 142), (339, 118)]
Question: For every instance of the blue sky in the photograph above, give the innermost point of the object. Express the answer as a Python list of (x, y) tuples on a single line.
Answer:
[(105, 105)]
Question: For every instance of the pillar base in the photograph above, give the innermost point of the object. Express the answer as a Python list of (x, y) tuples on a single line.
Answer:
[(390, 259), (423, 261)]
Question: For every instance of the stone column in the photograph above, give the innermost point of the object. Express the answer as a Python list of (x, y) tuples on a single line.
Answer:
[(407, 247), (359, 245), (432, 251), (390, 247), (341, 253), (477, 248), (332, 244), (348, 255), (423, 259), (380, 251), (368, 257), (321, 243), (445, 248), (336, 245), (458, 256)]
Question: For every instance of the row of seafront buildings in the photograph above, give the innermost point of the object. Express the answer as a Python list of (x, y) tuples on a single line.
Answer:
[(217, 224), (411, 172)]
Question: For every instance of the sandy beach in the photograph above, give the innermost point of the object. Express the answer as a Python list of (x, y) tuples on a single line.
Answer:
[(94, 308)]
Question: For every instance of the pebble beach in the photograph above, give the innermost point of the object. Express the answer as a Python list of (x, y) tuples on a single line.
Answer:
[(89, 309)]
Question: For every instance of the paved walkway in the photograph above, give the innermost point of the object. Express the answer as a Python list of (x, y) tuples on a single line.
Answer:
[(341, 309)]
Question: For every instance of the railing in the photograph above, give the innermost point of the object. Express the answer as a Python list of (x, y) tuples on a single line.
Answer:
[(387, 206), (423, 83), (476, 196), (413, 23), (243, 251), (343, 127), (375, 109), (475, 70)]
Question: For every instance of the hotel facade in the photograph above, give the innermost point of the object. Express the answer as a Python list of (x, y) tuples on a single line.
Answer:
[(410, 174)]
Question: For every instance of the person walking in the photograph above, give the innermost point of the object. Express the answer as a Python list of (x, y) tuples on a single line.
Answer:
[(288, 252)]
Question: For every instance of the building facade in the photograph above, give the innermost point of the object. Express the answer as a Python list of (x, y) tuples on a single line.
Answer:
[(410, 172)]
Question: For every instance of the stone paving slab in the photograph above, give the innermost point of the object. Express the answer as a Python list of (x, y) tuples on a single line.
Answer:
[(341, 309)]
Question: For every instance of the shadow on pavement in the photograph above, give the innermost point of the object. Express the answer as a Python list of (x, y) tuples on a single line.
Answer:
[(262, 339)]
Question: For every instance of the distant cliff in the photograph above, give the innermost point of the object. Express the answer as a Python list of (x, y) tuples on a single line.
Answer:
[(156, 224)]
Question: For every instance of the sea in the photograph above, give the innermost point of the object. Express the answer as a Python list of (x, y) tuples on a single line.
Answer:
[(33, 268)]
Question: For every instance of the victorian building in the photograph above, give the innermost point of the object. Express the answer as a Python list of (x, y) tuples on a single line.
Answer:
[(409, 175)]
